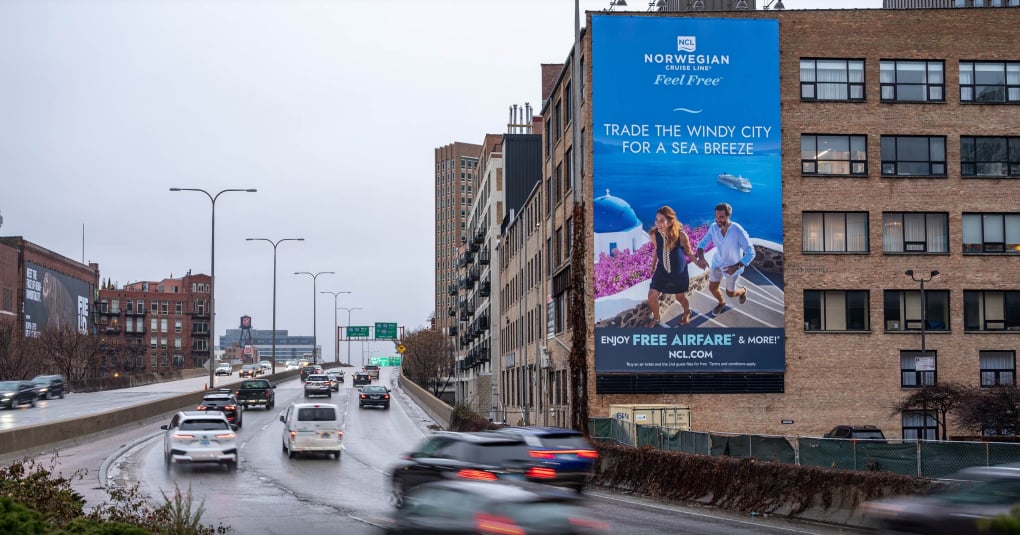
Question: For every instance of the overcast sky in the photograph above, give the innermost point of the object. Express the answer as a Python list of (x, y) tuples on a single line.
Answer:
[(331, 109)]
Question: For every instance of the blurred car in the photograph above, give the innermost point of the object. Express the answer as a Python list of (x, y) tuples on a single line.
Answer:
[(249, 370), (375, 396), (309, 370), (857, 432), (334, 381), (199, 437), (225, 369), (372, 370), (16, 393), (266, 366), (566, 454), (493, 507), (292, 365), (484, 456), (49, 386), (312, 428), (224, 402), (361, 378), (984, 493), (318, 385)]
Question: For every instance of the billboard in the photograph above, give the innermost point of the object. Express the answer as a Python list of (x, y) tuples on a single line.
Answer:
[(685, 118), (53, 300)]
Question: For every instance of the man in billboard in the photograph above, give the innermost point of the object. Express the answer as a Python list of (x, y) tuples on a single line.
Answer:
[(733, 252)]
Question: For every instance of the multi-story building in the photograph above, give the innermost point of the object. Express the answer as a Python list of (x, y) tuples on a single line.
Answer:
[(288, 347), (456, 166), (41, 289), (476, 298), (897, 156), (161, 325)]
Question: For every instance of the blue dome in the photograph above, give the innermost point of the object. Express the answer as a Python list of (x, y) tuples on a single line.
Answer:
[(613, 214)]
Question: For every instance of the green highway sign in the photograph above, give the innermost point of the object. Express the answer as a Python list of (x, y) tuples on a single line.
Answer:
[(385, 331), (385, 361), (357, 332)]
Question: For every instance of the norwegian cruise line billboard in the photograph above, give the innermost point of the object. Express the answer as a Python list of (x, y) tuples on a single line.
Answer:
[(688, 237)]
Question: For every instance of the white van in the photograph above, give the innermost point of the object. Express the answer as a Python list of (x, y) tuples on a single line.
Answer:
[(311, 428)]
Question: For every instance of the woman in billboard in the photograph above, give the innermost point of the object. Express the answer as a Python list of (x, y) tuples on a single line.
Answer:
[(669, 266)]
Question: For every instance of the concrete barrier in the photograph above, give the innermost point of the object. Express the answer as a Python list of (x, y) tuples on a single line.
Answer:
[(436, 408), (31, 437)]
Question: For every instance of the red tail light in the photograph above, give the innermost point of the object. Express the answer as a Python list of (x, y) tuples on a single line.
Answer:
[(488, 524), (588, 454), (542, 454), (230, 408), (588, 523), (480, 475), (201, 408), (538, 472)]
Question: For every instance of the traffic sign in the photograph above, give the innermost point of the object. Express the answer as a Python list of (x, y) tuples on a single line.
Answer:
[(385, 331), (401, 348), (357, 332)]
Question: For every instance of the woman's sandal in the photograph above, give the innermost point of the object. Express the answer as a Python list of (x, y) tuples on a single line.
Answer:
[(686, 318)]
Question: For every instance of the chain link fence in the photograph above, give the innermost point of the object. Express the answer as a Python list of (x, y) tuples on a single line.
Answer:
[(925, 458)]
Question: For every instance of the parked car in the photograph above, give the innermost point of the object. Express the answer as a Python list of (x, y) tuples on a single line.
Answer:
[(311, 428), (49, 386), (249, 370), (985, 492), (374, 396), (13, 394), (566, 453), (493, 507), (361, 378), (858, 432), (225, 402), (199, 437), (318, 385), (225, 369), (487, 456)]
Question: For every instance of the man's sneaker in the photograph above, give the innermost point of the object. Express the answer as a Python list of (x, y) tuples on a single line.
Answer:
[(743, 296), (719, 309)]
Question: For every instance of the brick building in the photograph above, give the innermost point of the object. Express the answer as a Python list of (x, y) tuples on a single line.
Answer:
[(161, 325), (900, 151)]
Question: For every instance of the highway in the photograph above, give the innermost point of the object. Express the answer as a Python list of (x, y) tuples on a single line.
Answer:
[(271, 493)]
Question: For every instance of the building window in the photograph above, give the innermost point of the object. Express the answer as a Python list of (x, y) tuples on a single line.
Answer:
[(559, 119), (835, 232), (129, 306), (997, 368), (834, 155), (919, 425), (917, 370), (155, 307), (568, 161), (832, 79), (990, 81), (8, 300), (905, 232), (164, 308), (912, 81), (177, 342), (989, 156), (991, 233), (178, 308), (568, 110), (902, 310), (178, 326), (913, 155), (836, 310), (152, 342), (153, 325), (990, 310)]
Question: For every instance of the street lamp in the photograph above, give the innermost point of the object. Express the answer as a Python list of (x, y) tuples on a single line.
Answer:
[(212, 271), (315, 339), (924, 305), (349, 338), (336, 339), (274, 244)]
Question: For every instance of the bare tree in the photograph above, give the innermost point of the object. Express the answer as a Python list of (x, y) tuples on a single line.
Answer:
[(996, 407), (17, 353), (428, 359), (938, 398), (75, 355)]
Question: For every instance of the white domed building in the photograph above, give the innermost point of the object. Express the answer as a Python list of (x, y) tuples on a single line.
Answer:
[(616, 226)]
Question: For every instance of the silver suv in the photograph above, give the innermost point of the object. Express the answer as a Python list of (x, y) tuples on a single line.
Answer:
[(318, 384), (200, 437)]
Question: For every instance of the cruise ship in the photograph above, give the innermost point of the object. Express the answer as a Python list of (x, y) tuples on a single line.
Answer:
[(737, 182)]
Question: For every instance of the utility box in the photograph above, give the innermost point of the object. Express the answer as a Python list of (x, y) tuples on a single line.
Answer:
[(675, 417)]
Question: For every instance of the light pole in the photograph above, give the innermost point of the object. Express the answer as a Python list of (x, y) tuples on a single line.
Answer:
[(275, 244), (924, 305), (336, 339), (315, 339), (212, 272), (349, 324)]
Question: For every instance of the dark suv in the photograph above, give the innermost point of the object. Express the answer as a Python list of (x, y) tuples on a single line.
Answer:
[(565, 457), (859, 432), (482, 456), (49, 386), (225, 402)]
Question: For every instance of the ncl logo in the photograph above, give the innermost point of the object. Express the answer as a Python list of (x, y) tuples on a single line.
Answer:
[(686, 43)]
